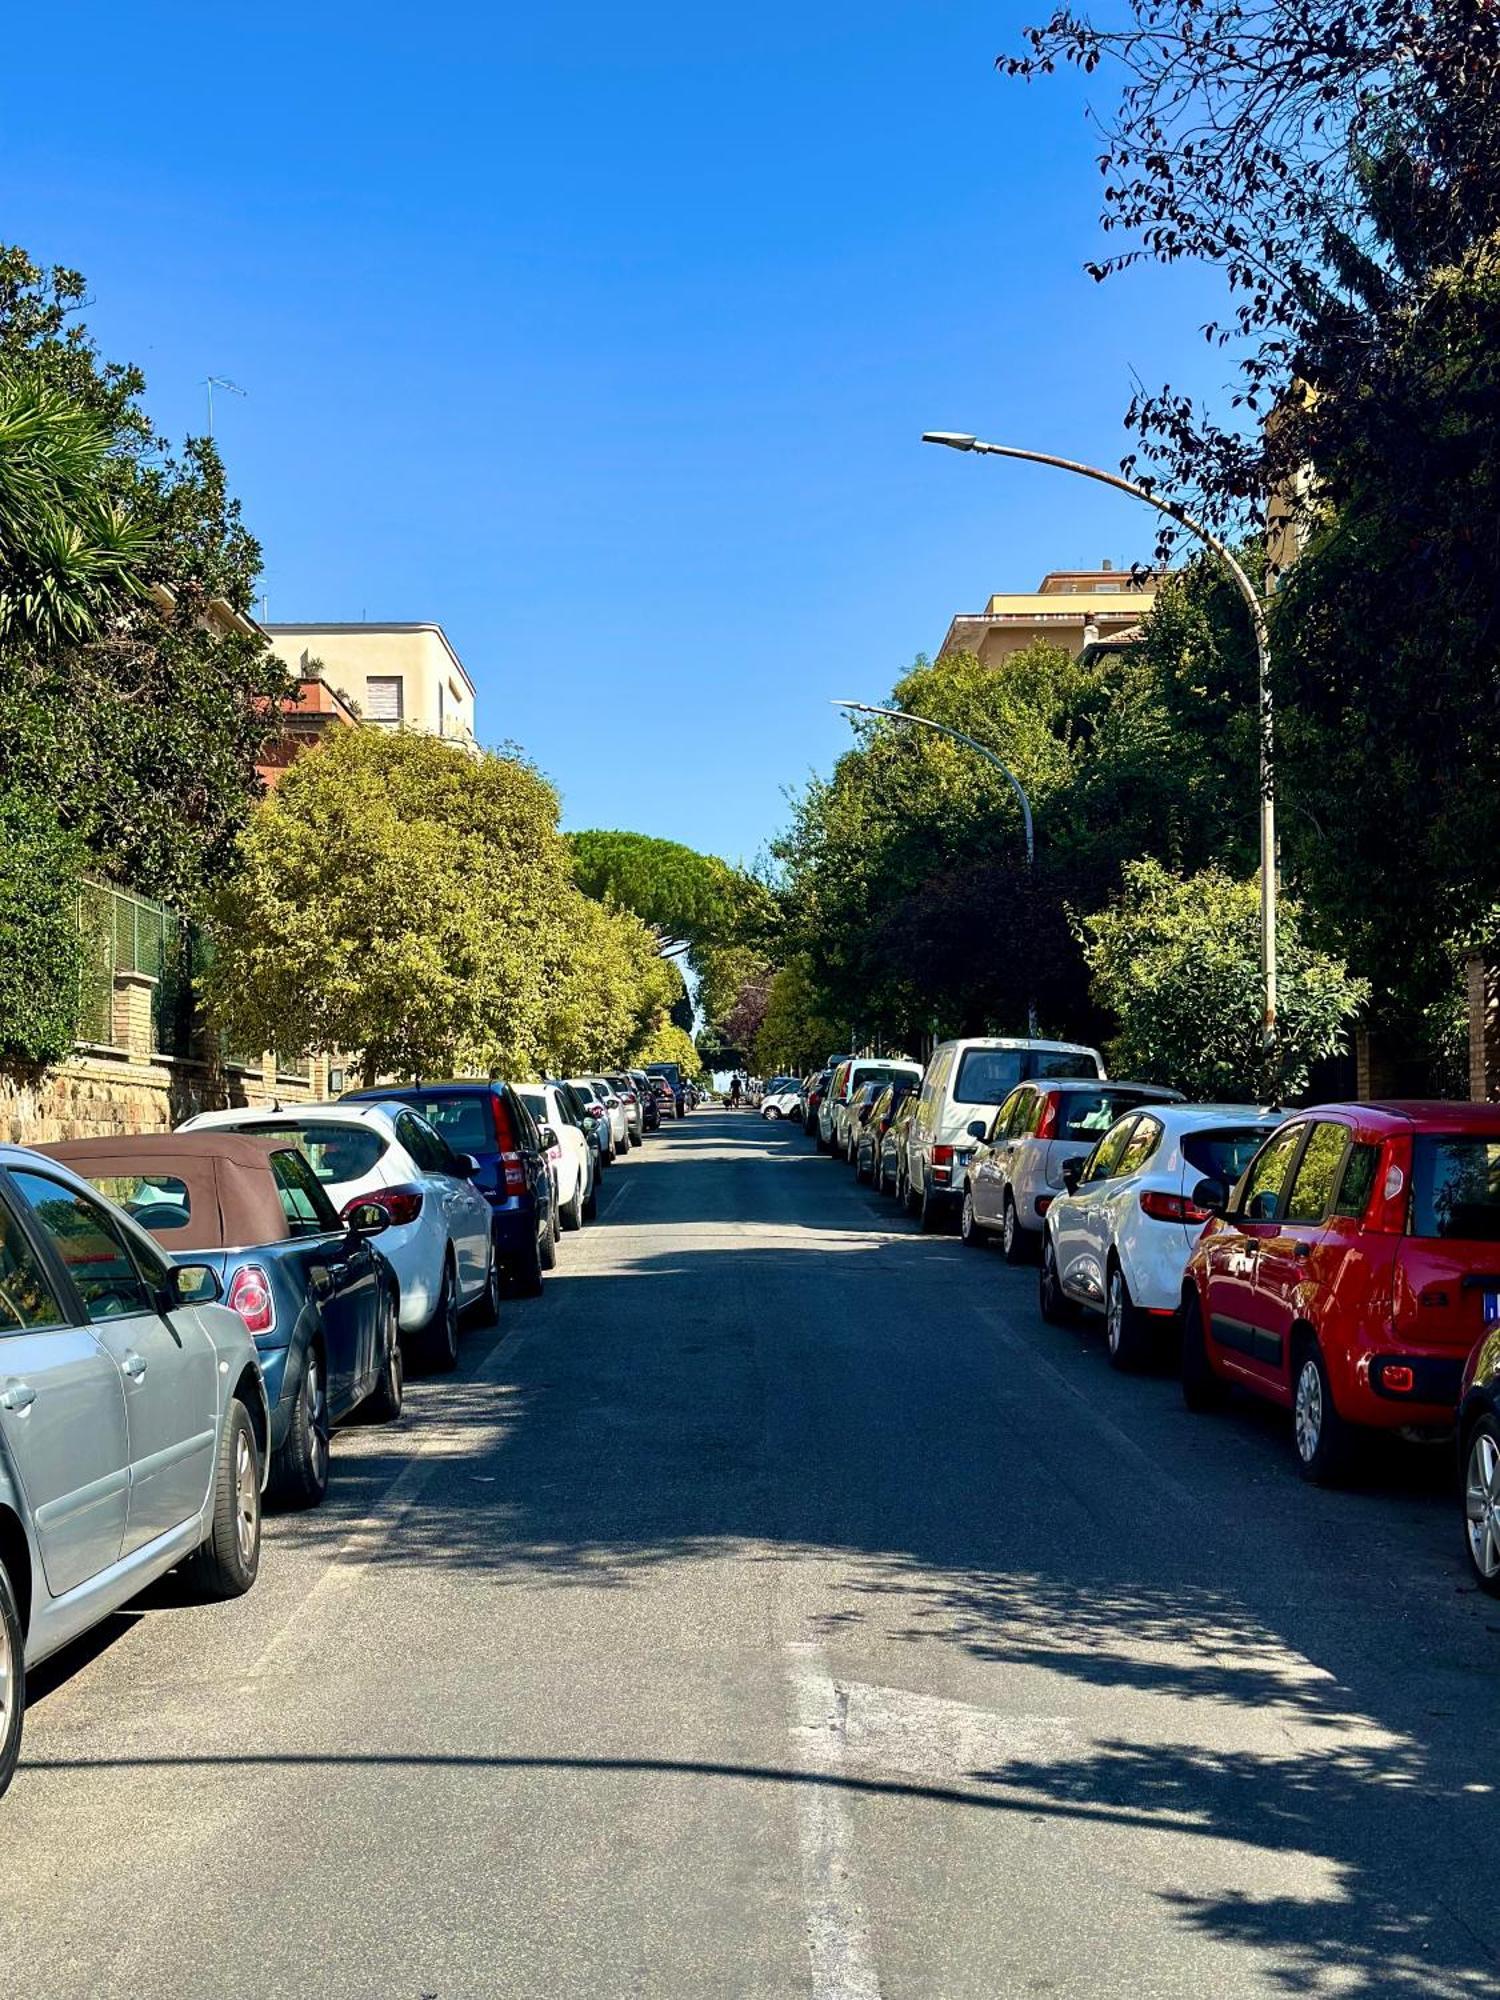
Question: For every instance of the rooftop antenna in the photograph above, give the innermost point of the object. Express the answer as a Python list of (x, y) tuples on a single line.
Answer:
[(212, 382)]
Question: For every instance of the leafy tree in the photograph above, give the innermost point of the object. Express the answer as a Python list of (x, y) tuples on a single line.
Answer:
[(794, 1036), (667, 1043), (41, 965), (1176, 959)]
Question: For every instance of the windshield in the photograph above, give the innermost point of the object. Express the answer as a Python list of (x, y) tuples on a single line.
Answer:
[(987, 1076), (1087, 1114), (1223, 1155), (1455, 1188), (337, 1152), (467, 1123)]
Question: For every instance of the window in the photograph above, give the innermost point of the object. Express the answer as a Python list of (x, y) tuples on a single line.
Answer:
[(1359, 1179), (1144, 1141), (1004, 1121), (385, 697), (155, 1201), (91, 1244), (464, 1123), (1456, 1188), (1085, 1114), (1262, 1189), (1104, 1161), (337, 1152), (987, 1076), (1223, 1155), (1062, 1062), (1317, 1174), (307, 1209), (26, 1296)]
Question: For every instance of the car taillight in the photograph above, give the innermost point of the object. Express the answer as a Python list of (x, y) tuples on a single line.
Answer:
[(1171, 1207), (505, 1139), (399, 1203), (1048, 1127), (514, 1167), (942, 1163), (250, 1296), (1386, 1212)]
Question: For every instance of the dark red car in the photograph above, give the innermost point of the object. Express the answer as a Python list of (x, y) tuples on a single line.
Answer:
[(1351, 1271)]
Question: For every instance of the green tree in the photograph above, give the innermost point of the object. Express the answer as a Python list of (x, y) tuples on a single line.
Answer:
[(41, 965), (795, 1035), (1176, 959)]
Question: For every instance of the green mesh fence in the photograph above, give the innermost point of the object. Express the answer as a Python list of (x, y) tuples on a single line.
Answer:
[(124, 932)]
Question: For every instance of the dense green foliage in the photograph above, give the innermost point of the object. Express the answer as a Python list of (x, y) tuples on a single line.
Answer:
[(41, 965)]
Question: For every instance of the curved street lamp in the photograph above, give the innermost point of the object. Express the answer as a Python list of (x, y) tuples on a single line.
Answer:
[(982, 750), (962, 441)]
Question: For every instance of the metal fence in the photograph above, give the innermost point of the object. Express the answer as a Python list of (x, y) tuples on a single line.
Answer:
[(123, 932)]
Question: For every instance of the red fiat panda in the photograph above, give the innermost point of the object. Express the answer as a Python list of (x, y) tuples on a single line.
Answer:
[(1350, 1272)]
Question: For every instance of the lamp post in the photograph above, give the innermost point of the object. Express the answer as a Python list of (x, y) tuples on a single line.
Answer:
[(961, 441), (980, 749)]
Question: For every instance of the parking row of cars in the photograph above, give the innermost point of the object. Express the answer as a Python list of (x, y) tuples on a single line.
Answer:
[(186, 1317), (1341, 1261)]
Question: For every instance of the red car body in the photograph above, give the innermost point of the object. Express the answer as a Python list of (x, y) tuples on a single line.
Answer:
[(1369, 1233)]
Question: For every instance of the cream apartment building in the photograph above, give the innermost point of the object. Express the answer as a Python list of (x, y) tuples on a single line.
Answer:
[(396, 675), (1072, 608)]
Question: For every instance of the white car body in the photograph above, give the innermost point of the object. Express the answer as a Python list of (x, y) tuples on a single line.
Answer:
[(571, 1158), (1103, 1223), (833, 1112), (592, 1091), (968, 1080), (454, 1216), (619, 1115), (784, 1104)]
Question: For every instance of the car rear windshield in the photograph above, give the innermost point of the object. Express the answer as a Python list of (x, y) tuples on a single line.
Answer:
[(337, 1152), (1225, 1154), (155, 1201), (467, 1123), (988, 1076), (876, 1075), (1088, 1114), (1455, 1188)]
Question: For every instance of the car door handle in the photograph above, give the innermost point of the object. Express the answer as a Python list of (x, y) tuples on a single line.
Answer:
[(134, 1364), (1302, 1251), (17, 1396)]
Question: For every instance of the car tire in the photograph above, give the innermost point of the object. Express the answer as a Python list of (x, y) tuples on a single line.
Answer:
[(1321, 1436), (820, 1144), (930, 1213), (968, 1223), (905, 1194), (572, 1210), (548, 1249), (524, 1272), (226, 1564), (439, 1336), (487, 1305), (591, 1201), (1481, 1493), (770, 1114), (1127, 1337), (384, 1402), (12, 1680), (1056, 1308), (1014, 1242), (1201, 1387), (300, 1469)]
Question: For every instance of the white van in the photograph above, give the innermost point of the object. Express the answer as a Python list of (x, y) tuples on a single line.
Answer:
[(833, 1112), (964, 1081)]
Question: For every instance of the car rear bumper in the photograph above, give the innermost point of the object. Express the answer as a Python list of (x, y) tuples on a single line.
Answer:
[(1377, 1399), (516, 1222)]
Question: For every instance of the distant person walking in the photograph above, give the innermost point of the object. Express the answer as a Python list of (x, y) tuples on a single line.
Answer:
[(734, 1093)]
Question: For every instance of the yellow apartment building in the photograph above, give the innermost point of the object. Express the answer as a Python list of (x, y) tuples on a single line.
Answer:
[(1072, 608), (396, 675)]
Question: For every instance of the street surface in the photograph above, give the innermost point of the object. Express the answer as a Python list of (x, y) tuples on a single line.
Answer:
[(778, 1608)]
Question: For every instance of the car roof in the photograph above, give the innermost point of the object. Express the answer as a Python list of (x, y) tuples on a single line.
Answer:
[(453, 1086), (1151, 1093), (232, 1196), (1022, 1042), (1395, 1114), (336, 1111), (1202, 1117)]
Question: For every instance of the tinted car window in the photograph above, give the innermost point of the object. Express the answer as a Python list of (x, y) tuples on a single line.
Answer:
[(1358, 1180), (1144, 1141), (1058, 1062), (463, 1123), (337, 1152), (1223, 1155), (1456, 1188), (1263, 1183), (26, 1295), (155, 1201), (1087, 1114), (1317, 1172), (92, 1246), (307, 1209), (1105, 1160), (986, 1076)]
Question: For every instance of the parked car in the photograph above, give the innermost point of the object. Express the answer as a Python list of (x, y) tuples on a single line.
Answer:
[(854, 1114), (674, 1076), (317, 1298), (889, 1168), (666, 1097), (1117, 1241), (963, 1081), (635, 1120), (1479, 1458), (439, 1242), (813, 1092), (1015, 1171), (833, 1112), (870, 1130), (619, 1117), (1350, 1273), (561, 1131), (133, 1423), (484, 1120), (650, 1103), (782, 1103), (591, 1095)]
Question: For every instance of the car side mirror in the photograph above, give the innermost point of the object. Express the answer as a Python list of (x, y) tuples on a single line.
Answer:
[(368, 1218), (1211, 1193), (465, 1166), (192, 1285), (547, 1136), (977, 1129), (1072, 1173), (1260, 1207)]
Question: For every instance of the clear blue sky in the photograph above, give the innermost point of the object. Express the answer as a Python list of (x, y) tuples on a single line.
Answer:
[(605, 336)]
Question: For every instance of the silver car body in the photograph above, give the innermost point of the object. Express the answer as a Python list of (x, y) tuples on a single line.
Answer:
[(1019, 1162), (843, 1087), (112, 1419)]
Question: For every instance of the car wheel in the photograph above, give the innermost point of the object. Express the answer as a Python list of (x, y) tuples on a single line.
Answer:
[(572, 1210), (1321, 1436), (12, 1681), (1013, 1238), (383, 1405), (819, 1142), (930, 1212), (771, 1113), (548, 1250), (1125, 1332), (591, 1201), (1056, 1308), (440, 1334), (487, 1310), (226, 1564), (904, 1194), (524, 1272), (299, 1471), (1201, 1387), (968, 1223), (1481, 1510)]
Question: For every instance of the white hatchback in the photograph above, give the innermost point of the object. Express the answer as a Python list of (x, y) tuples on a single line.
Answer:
[(782, 1104), (440, 1242), (571, 1156), (1118, 1241)]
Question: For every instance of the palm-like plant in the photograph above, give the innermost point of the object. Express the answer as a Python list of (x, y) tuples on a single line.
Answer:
[(70, 552)]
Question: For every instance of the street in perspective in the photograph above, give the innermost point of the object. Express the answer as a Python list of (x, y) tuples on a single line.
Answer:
[(750, 1003)]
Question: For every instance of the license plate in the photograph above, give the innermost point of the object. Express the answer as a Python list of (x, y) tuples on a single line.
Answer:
[(1491, 1308)]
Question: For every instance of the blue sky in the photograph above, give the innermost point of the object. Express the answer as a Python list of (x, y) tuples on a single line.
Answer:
[(605, 337)]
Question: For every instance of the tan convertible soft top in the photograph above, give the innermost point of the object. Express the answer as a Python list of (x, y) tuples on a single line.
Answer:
[(232, 1196)]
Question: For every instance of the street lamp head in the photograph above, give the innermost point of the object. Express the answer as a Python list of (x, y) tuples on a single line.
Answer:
[(955, 440)]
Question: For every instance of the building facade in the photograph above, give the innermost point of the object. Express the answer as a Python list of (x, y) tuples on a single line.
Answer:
[(395, 676), (1071, 608)]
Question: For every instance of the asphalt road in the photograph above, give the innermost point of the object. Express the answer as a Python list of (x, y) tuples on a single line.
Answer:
[(777, 1607)]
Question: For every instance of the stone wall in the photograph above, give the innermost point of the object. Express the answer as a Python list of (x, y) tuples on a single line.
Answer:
[(99, 1095)]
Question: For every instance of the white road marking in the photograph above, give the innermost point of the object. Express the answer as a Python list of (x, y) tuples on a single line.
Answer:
[(838, 1938)]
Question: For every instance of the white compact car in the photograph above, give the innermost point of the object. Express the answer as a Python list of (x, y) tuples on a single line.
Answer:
[(440, 1241), (965, 1081), (591, 1094), (619, 1112), (570, 1155), (1118, 1241), (782, 1104)]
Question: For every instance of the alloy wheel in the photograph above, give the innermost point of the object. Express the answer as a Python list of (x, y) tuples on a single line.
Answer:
[(246, 1498), (316, 1399), (7, 1680), (1308, 1410), (1114, 1311), (1008, 1234), (1482, 1505)]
